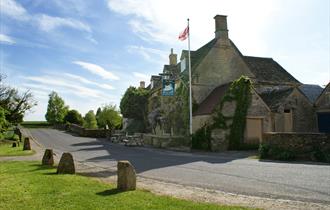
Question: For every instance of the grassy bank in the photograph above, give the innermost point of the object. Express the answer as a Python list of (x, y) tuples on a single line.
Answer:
[(6, 149), (27, 185)]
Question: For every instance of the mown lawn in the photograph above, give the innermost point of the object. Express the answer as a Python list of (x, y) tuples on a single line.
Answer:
[(27, 185), (6, 149)]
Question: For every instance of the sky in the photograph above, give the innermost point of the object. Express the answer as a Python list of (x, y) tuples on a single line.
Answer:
[(91, 51)]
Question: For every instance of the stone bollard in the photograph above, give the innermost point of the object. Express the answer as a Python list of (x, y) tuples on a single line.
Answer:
[(48, 158), (27, 145), (66, 164), (126, 176)]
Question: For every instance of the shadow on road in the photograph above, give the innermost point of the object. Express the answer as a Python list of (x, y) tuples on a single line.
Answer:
[(146, 158)]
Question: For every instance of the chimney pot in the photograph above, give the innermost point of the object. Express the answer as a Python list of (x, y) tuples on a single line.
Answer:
[(173, 58), (142, 84), (221, 30)]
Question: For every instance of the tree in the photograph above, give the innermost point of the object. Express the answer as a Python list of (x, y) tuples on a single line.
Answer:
[(134, 104), (74, 117), (109, 116), (90, 120), (56, 109), (98, 112), (3, 121), (15, 103)]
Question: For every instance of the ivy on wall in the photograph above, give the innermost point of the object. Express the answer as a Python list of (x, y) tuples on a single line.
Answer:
[(174, 111), (239, 93)]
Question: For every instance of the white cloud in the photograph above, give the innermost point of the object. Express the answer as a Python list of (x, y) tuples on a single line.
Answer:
[(142, 76), (97, 70), (73, 88), (86, 81), (49, 23), (6, 39), (14, 10), (70, 87), (149, 53), (45, 22), (162, 21)]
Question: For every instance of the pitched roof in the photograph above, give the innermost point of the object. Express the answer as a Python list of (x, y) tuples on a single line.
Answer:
[(198, 55), (274, 97), (323, 91), (266, 69), (211, 101), (312, 92)]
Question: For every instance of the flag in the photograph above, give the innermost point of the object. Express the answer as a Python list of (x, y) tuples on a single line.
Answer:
[(184, 34)]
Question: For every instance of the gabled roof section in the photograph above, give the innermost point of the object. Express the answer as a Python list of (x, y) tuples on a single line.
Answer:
[(275, 97), (266, 69), (212, 100), (198, 55), (323, 91), (312, 92)]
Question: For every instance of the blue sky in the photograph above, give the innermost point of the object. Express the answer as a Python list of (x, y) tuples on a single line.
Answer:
[(90, 51)]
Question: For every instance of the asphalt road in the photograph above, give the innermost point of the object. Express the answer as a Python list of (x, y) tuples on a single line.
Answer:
[(231, 172)]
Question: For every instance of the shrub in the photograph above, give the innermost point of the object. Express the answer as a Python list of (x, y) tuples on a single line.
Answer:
[(321, 156), (285, 155), (263, 151), (135, 126), (201, 139)]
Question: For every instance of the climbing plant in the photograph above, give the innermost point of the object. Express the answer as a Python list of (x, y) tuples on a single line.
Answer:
[(239, 93)]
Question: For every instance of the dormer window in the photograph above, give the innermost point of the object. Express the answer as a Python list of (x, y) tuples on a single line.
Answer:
[(183, 64), (151, 84)]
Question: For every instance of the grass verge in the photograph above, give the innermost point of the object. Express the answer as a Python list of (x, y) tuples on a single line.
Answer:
[(6, 149), (27, 185)]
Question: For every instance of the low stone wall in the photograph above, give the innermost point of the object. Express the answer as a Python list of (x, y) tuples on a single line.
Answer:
[(306, 146), (94, 133), (61, 127), (166, 141)]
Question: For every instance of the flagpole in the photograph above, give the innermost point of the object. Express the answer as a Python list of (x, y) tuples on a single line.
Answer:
[(190, 92)]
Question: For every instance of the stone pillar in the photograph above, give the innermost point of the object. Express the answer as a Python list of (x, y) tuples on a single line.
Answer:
[(126, 176), (48, 158), (27, 145), (66, 164)]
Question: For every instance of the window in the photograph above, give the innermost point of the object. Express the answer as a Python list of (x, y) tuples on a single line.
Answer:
[(183, 64), (287, 110)]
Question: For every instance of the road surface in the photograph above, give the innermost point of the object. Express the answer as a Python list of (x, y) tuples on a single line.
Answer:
[(230, 172)]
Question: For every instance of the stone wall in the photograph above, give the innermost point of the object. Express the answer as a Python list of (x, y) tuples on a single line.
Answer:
[(166, 141), (94, 133), (303, 116), (301, 145)]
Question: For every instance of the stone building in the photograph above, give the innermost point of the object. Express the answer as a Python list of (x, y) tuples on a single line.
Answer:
[(279, 102), (322, 105)]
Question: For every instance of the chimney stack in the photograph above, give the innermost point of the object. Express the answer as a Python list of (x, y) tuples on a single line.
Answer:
[(142, 84), (221, 30), (173, 58)]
